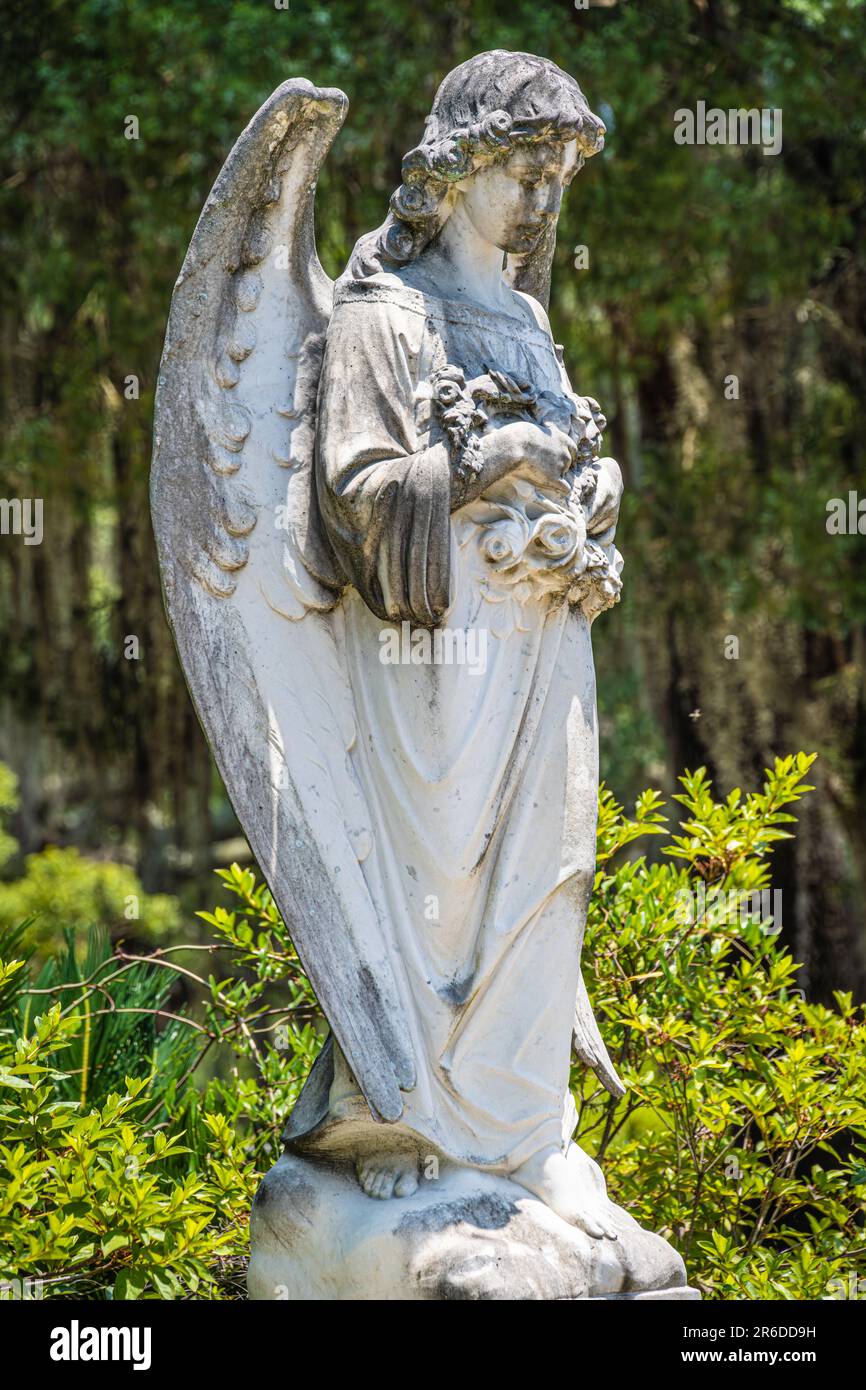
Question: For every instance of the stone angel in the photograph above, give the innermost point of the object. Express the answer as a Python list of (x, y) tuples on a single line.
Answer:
[(402, 451)]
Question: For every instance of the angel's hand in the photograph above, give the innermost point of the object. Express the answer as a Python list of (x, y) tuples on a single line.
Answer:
[(545, 453), (541, 455)]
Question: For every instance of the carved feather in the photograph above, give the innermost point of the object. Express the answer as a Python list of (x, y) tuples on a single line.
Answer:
[(241, 551)]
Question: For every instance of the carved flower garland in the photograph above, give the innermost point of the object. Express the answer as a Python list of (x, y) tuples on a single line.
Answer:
[(460, 417), (531, 544), (528, 541)]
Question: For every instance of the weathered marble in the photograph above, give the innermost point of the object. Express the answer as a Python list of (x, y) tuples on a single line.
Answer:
[(467, 1235), (385, 525)]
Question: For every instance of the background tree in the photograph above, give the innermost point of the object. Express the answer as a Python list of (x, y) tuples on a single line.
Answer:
[(705, 264)]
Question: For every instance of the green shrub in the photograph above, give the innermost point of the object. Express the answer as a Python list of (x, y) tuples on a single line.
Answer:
[(61, 890), (88, 1200), (743, 1131), (95, 1195), (741, 1136), (124, 1171)]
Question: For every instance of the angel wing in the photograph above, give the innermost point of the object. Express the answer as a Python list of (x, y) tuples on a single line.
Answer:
[(248, 579)]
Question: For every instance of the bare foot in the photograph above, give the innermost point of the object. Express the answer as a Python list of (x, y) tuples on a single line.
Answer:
[(388, 1175), (571, 1184)]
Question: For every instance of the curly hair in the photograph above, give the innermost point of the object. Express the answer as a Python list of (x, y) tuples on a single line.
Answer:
[(483, 111)]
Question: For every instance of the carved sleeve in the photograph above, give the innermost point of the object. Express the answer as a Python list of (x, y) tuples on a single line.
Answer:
[(384, 492)]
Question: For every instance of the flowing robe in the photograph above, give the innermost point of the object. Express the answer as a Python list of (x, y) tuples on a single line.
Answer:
[(479, 772)]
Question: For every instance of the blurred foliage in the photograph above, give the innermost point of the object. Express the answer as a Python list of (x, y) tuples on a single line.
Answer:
[(8, 804), (64, 894), (742, 1136), (704, 262), (62, 889)]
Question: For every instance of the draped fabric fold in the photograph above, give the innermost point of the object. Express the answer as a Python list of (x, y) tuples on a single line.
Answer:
[(479, 772), (385, 497)]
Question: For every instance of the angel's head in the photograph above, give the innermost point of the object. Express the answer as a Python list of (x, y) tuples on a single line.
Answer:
[(507, 133), (513, 201)]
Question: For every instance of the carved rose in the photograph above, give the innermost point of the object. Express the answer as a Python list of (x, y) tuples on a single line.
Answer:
[(530, 543), (532, 546), (449, 388), (544, 551), (559, 538), (600, 585), (503, 544)]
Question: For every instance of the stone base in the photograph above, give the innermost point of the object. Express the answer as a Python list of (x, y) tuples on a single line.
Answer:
[(466, 1235)]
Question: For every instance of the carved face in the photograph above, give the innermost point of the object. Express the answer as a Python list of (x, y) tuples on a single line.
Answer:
[(512, 204)]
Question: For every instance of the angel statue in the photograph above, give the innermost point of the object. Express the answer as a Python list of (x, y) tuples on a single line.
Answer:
[(385, 526)]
